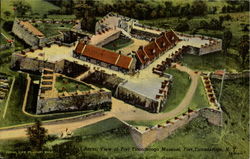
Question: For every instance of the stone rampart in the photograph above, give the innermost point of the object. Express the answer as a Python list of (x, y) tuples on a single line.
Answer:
[(143, 139), (228, 76), (86, 101)]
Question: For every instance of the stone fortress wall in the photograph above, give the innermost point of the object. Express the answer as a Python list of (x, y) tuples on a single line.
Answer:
[(20, 61), (50, 100), (23, 33), (109, 39), (137, 99), (214, 44), (30, 38), (140, 99), (83, 101), (143, 139), (228, 76)]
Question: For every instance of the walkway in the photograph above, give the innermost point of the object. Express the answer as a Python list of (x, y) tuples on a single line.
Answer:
[(8, 99)]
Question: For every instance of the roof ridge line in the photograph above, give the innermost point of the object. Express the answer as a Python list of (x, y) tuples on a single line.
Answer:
[(117, 59), (157, 44)]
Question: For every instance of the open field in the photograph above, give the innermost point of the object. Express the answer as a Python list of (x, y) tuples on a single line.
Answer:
[(118, 44), (212, 62), (52, 29), (36, 5), (199, 99)]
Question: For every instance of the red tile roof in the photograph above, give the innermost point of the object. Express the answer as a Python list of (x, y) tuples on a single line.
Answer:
[(163, 43), (103, 55), (156, 47), (79, 47), (152, 50), (219, 72), (172, 37), (31, 28), (100, 54), (124, 61), (142, 56)]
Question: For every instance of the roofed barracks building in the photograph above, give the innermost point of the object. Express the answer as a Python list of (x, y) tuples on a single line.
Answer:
[(147, 54), (104, 57)]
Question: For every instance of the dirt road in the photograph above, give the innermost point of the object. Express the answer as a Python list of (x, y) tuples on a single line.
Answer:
[(55, 128)]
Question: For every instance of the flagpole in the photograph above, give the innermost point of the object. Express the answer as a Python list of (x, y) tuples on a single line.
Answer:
[(221, 86)]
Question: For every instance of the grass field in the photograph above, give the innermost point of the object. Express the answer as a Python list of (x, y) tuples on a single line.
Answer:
[(118, 44), (212, 62), (36, 5), (52, 29), (70, 85), (199, 99), (180, 85)]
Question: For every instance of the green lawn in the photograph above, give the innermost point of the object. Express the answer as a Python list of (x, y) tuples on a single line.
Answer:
[(200, 98), (99, 127), (211, 62), (70, 85), (14, 113), (38, 6), (118, 43), (178, 89), (52, 29)]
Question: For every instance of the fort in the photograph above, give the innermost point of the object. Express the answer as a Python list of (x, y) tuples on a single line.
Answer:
[(88, 75)]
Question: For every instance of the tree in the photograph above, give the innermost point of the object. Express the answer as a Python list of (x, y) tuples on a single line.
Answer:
[(204, 24), (7, 14), (37, 135), (21, 7), (244, 48), (153, 14), (227, 37), (199, 8), (215, 24), (185, 10), (169, 8), (182, 26), (87, 13)]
